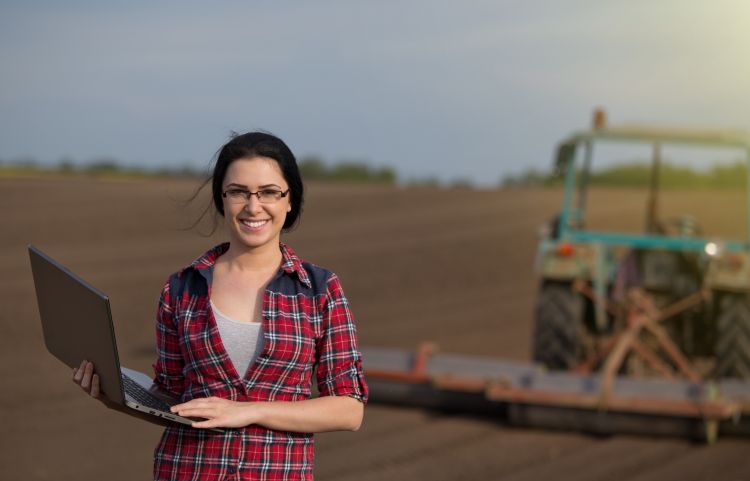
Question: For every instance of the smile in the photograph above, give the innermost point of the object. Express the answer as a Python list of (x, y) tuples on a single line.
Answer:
[(254, 224)]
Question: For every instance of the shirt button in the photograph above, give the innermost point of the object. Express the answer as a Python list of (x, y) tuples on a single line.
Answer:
[(232, 469)]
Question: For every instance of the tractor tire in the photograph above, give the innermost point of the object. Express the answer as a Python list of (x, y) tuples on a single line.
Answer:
[(557, 327), (733, 336)]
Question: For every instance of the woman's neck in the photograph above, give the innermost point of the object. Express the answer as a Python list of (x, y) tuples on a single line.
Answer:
[(260, 258)]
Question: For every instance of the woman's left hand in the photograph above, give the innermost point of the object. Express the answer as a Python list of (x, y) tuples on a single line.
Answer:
[(219, 412)]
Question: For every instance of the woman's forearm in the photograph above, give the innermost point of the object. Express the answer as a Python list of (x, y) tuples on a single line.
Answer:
[(326, 413)]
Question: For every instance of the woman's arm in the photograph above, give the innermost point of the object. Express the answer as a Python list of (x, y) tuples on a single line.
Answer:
[(327, 413), (168, 368)]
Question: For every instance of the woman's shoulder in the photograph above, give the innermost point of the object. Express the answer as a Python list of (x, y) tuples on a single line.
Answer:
[(313, 275), (197, 270)]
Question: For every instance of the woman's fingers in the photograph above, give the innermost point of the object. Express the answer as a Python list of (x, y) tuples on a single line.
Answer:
[(88, 372), (197, 412), (194, 403), (84, 376), (216, 411), (87, 380), (95, 386), (208, 423), (210, 408), (78, 372)]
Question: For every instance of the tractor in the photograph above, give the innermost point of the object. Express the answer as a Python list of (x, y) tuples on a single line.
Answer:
[(669, 300), (635, 332)]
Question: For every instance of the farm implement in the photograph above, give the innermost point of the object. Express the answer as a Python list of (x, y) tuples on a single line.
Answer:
[(635, 332)]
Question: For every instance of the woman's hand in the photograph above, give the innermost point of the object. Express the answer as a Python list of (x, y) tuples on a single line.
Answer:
[(218, 412), (87, 380)]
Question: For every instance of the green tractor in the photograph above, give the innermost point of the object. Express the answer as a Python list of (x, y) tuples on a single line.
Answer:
[(690, 288)]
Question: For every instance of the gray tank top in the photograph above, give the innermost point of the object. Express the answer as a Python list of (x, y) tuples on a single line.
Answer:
[(243, 341)]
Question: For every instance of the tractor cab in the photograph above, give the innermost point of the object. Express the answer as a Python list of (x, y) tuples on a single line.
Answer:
[(694, 282)]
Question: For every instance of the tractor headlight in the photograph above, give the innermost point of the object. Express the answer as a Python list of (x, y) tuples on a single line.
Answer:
[(714, 248)]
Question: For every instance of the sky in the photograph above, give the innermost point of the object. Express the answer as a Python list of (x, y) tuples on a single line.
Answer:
[(471, 90)]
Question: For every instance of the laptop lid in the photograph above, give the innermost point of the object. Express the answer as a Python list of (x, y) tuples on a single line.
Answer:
[(72, 313)]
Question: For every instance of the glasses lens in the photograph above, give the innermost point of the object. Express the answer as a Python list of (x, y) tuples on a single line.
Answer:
[(236, 196), (268, 196), (241, 196)]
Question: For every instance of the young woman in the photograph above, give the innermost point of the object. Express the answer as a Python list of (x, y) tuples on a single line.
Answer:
[(241, 330)]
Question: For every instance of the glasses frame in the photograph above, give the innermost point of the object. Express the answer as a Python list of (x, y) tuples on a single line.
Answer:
[(248, 194)]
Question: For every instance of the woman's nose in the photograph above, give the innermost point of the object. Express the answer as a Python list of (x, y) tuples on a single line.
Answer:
[(253, 204)]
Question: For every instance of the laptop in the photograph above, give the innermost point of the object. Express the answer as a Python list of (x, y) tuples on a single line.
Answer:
[(77, 325)]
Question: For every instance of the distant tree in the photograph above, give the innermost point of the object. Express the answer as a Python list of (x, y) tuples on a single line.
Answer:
[(66, 165), (311, 167), (529, 177), (103, 165), (350, 172), (385, 175), (461, 183), (430, 182)]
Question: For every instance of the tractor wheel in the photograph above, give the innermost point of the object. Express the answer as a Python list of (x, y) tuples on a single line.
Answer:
[(733, 336), (559, 317)]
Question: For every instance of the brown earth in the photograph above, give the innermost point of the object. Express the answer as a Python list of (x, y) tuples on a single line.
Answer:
[(452, 266)]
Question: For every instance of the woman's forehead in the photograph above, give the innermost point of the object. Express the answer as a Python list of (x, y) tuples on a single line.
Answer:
[(255, 171)]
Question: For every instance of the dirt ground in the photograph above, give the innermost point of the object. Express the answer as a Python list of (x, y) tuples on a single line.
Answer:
[(452, 266)]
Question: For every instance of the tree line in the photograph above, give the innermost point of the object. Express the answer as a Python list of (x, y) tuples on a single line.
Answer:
[(312, 168), (636, 174)]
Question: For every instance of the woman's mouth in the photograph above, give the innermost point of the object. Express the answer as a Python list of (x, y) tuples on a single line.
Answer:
[(254, 224)]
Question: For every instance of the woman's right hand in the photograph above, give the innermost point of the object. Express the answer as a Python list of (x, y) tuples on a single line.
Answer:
[(87, 380)]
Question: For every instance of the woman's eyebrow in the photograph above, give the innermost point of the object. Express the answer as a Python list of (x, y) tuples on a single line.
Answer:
[(265, 186)]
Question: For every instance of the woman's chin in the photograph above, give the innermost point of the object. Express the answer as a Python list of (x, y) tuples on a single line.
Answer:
[(254, 241)]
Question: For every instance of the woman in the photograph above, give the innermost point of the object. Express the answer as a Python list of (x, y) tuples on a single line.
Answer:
[(240, 331)]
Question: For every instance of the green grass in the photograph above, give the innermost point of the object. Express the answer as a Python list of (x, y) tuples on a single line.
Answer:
[(20, 171), (311, 168), (731, 176)]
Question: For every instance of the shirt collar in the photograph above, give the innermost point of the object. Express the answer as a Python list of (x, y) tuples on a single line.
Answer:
[(290, 263)]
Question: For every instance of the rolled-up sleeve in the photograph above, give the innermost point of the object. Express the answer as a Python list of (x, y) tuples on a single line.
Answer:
[(168, 368), (339, 371)]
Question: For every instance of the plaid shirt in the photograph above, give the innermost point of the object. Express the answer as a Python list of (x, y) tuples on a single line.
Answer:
[(306, 323)]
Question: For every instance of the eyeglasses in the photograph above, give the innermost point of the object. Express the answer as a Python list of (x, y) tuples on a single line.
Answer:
[(242, 196)]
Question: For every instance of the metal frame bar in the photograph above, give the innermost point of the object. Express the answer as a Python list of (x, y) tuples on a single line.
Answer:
[(651, 241)]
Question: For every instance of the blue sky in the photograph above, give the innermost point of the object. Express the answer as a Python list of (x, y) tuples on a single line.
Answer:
[(471, 90)]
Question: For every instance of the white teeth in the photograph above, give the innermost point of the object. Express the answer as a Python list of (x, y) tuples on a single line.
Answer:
[(254, 224)]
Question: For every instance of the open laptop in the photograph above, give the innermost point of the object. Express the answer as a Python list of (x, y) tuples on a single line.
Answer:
[(77, 325)]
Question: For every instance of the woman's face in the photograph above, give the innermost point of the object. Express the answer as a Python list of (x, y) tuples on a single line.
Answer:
[(251, 222)]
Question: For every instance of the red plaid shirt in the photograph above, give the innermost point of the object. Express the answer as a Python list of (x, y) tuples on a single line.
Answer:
[(307, 326)]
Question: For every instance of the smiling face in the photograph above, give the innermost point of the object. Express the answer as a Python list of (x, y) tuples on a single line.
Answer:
[(254, 224)]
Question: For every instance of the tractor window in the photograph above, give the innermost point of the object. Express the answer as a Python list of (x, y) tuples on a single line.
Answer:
[(701, 191)]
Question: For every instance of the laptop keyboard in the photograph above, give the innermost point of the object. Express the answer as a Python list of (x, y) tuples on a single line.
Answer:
[(142, 396)]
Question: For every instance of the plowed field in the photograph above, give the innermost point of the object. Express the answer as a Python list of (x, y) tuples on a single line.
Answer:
[(452, 266)]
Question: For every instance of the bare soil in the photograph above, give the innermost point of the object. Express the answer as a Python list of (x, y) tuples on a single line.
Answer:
[(452, 266)]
